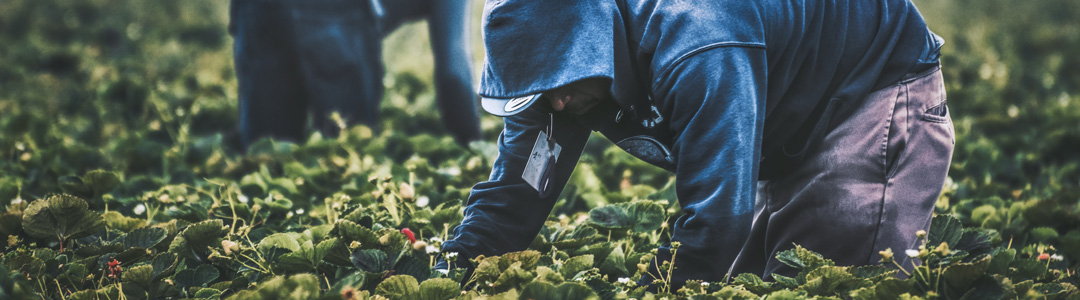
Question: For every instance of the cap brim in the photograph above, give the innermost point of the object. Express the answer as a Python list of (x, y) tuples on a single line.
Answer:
[(507, 107)]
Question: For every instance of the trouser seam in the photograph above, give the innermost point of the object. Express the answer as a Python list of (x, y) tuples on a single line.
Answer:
[(886, 178)]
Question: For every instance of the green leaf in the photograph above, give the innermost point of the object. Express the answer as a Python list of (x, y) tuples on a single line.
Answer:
[(575, 265), (439, 289), (1043, 234), (324, 248), (115, 220), (75, 186), (447, 217), (60, 217), (208, 293), (944, 228), (527, 258), (487, 268), (163, 264), (284, 240), (571, 290), (980, 214), (10, 224), (335, 252), (615, 263), (975, 241), (872, 272), (1000, 262), (753, 283), (985, 288), (1025, 269), (14, 285), (398, 287), (134, 291), (100, 181), (539, 291), (199, 276), (392, 240), (26, 263), (1056, 290), (294, 262), (513, 277), (546, 274), (354, 281), (784, 281), (351, 231), (371, 260), (730, 292), (145, 238), (297, 287), (413, 267), (831, 280), (319, 233), (647, 215), (142, 275), (202, 235), (959, 277), (890, 287), (611, 217), (279, 204), (801, 258)]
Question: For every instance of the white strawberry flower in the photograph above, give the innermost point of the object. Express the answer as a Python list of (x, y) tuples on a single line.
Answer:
[(912, 252)]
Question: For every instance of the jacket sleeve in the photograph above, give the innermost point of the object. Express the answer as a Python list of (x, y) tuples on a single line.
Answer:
[(716, 101), (505, 213)]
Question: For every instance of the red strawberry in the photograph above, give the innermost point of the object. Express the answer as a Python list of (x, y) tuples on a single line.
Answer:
[(408, 233)]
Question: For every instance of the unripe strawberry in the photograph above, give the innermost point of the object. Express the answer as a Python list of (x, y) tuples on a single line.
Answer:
[(406, 191), (419, 245)]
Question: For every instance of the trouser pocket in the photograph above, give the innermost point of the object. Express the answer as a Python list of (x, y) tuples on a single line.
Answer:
[(920, 150)]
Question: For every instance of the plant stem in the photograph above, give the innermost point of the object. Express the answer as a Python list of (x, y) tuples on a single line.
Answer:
[(60, 289), (898, 266), (670, 269)]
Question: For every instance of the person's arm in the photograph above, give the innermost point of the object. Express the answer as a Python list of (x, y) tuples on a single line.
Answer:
[(716, 102), (505, 213)]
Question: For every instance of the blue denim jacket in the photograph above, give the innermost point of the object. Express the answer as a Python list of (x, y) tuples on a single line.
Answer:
[(722, 93)]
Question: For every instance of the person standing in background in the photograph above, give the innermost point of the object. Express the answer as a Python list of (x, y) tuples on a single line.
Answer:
[(322, 56)]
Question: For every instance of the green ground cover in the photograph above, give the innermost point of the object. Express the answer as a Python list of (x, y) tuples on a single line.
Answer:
[(120, 176)]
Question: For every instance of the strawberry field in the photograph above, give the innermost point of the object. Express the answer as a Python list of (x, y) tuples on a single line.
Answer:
[(121, 176)]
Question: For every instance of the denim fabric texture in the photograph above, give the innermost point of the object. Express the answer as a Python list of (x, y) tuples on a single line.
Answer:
[(744, 91), (870, 185), (319, 56)]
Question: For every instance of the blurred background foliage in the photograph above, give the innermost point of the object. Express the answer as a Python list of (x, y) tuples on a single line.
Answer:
[(146, 89)]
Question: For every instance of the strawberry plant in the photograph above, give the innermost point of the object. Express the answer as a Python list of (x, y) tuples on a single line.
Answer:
[(121, 177)]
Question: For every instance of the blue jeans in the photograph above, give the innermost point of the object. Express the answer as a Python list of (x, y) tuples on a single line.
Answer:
[(323, 56)]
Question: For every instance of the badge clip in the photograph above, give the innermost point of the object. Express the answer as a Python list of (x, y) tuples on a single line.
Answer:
[(540, 168)]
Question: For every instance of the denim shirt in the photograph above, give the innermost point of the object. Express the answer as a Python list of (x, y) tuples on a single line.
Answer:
[(783, 68)]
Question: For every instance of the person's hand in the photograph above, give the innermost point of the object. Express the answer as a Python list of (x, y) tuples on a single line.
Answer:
[(579, 96)]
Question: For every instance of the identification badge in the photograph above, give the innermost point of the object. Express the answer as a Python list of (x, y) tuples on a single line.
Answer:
[(541, 165)]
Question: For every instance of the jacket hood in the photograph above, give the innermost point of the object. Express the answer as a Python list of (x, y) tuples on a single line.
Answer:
[(533, 46)]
